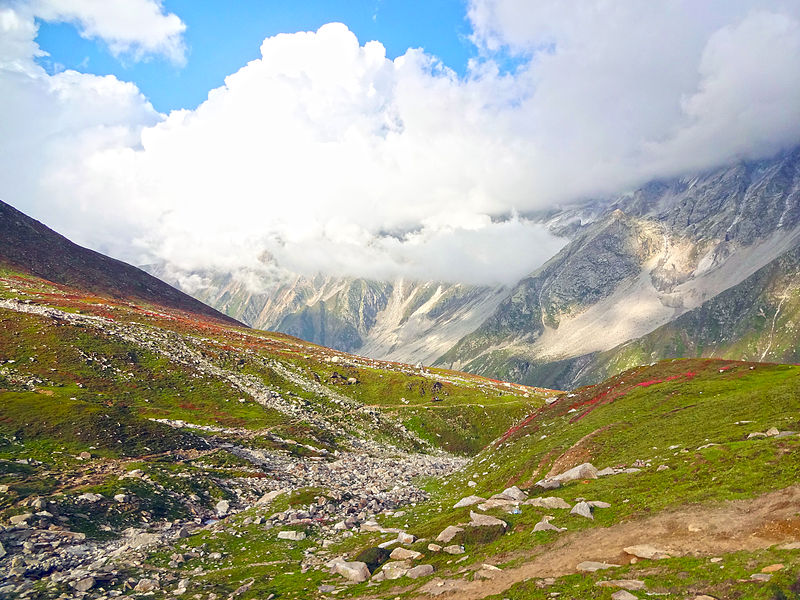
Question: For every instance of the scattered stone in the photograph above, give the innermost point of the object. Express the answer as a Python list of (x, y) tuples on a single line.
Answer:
[(292, 535), (468, 501), (121, 498), (548, 484), (89, 497), (353, 571), (625, 584), (662, 468), (140, 540), (761, 576), (479, 520), (550, 502), (647, 551), (454, 549), (790, 546), (449, 533), (2, 551), (85, 455), (591, 566), (772, 568), (704, 597), (222, 507), (19, 519), (772, 432), (497, 502), (146, 585), (406, 538), (606, 471), (756, 434), (545, 525), (84, 585), (405, 554), (514, 493), (434, 547), (269, 497), (598, 504), (395, 570), (420, 571), (582, 509), (623, 595)]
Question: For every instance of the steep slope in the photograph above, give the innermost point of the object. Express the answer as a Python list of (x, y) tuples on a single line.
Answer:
[(660, 252), (28, 246), (399, 320)]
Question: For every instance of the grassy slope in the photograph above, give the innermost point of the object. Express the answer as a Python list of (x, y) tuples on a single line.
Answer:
[(637, 415)]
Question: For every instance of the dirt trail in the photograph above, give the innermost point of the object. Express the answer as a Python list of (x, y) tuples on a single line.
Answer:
[(693, 530)]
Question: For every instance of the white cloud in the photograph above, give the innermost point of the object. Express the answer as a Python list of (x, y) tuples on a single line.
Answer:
[(136, 27), (325, 155)]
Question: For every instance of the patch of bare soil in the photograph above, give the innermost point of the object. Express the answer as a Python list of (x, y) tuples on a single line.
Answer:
[(692, 530)]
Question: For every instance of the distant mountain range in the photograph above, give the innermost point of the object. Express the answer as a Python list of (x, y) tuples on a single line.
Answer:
[(701, 265)]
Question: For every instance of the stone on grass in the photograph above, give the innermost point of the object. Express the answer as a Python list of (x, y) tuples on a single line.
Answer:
[(449, 533), (146, 585), (406, 538), (590, 566), (434, 547), (454, 549), (420, 571), (291, 535), (647, 551), (625, 584), (761, 576), (468, 501), (598, 504), (405, 554), (790, 546), (395, 569), (582, 509), (222, 507), (550, 502), (515, 493), (623, 595), (354, 570), (772, 432), (545, 525), (19, 519), (772, 568), (548, 484), (479, 520), (494, 502)]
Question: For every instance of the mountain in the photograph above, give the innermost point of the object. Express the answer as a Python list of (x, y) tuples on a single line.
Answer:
[(27, 246), (400, 320), (654, 255)]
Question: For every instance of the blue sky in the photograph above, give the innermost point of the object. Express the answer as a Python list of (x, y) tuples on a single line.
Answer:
[(223, 36)]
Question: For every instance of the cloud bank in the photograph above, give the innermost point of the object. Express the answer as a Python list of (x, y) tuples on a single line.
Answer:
[(325, 155)]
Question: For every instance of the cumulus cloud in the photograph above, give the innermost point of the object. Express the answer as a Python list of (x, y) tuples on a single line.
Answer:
[(325, 155), (136, 27)]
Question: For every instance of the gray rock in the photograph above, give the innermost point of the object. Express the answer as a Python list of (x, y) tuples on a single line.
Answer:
[(291, 535), (623, 595), (146, 585), (591, 566), (479, 520), (545, 525), (647, 551), (454, 549), (405, 554), (582, 509), (625, 584), (550, 502), (84, 585), (468, 501), (405, 538), (354, 570), (395, 570), (420, 571), (448, 534), (514, 493), (222, 507)]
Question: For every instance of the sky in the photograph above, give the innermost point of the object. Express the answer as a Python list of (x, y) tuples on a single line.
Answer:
[(373, 139)]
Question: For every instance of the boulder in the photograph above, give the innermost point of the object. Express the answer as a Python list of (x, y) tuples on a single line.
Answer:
[(292, 535), (84, 585), (623, 595), (468, 501), (772, 432), (598, 504), (449, 533), (549, 502), (582, 509), (454, 549), (548, 484), (647, 551), (405, 554), (479, 520), (406, 538), (395, 569), (269, 497), (772, 568), (625, 584), (354, 570), (591, 566), (434, 547), (515, 493), (222, 507), (146, 585), (140, 540), (497, 502), (545, 525), (420, 571), (19, 519)]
